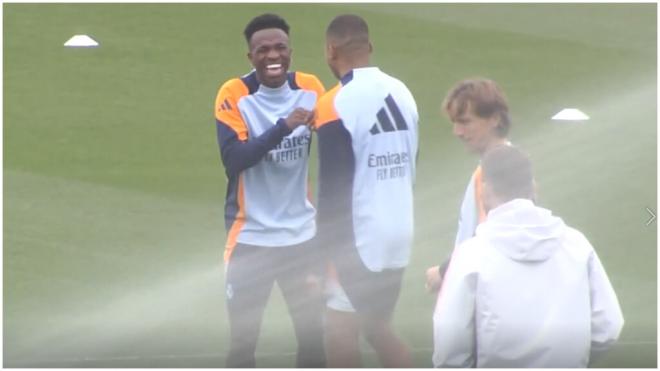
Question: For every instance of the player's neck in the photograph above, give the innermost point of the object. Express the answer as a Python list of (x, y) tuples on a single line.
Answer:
[(353, 63), (494, 143)]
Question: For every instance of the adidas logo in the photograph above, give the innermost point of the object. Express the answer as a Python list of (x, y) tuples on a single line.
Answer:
[(225, 106), (384, 119)]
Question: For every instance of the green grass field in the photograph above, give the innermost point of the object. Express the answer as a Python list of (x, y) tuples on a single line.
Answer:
[(113, 186)]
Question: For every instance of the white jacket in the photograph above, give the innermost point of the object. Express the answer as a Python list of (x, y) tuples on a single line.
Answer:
[(526, 291)]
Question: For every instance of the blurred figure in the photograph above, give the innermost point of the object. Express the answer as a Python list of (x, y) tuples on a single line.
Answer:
[(479, 112), (527, 290), (264, 141), (367, 130)]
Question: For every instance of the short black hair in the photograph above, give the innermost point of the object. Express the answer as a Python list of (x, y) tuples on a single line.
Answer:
[(347, 25), (508, 171), (349, 33), (263, 22)]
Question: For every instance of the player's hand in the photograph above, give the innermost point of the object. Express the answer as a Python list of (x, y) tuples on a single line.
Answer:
[(433, 279), (314, 284), (312, 122), (299, 116)]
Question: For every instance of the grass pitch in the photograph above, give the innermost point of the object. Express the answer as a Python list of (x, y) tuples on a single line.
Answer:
[(113, 187)]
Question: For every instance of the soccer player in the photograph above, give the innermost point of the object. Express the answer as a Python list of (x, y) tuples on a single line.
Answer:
[(479, 112), (526, 291), (368, 138), (262, 124)]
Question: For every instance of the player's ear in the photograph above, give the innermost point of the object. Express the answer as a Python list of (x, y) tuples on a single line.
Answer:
[(330, 51), (249, 52), (494, 122)]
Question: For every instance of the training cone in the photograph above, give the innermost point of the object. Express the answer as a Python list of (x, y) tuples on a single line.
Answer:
[(570, 114), (81, 41)]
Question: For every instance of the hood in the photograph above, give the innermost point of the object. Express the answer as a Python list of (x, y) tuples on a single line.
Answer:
[(523, 231)]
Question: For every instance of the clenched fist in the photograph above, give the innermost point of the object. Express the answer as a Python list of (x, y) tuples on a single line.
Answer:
[(299, 116)]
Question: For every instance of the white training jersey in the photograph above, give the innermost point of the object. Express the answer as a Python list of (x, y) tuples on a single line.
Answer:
[(267, 201), (368, 139), (472, 210)]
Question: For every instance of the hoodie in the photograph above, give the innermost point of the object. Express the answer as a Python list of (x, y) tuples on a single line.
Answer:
[(526, 291), (523, 232)]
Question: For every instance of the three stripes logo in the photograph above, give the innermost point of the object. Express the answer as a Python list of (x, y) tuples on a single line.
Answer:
[(225, 106), (384, 119)]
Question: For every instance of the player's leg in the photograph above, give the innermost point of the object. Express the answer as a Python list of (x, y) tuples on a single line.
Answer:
[(299, 277), (342, 329), (342, 339), (374, 296), (391, 351), (377, 324), (249, 281)]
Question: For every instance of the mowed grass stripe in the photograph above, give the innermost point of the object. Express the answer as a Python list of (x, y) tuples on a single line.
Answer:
[(114, 188)]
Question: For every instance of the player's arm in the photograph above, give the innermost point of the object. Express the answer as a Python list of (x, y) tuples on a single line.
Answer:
[(237, 150), (238, 155), (336, 172), (434, 276), (454, 316), (467, 225), (606, 317)]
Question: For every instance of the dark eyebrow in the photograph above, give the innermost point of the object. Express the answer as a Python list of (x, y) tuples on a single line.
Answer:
[(267, 46)]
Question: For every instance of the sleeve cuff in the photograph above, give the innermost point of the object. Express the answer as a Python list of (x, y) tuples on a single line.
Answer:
[(284, 128)]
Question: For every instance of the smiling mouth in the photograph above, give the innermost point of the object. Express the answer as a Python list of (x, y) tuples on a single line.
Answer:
[(274, 69)]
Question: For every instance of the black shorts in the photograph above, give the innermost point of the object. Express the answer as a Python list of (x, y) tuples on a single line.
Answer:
[(251, 273), (372, 294)]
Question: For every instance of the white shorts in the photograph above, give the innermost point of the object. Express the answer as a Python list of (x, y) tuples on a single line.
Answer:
[(336, 296)]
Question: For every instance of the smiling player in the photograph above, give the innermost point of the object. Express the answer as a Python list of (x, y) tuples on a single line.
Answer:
[(264, 141)]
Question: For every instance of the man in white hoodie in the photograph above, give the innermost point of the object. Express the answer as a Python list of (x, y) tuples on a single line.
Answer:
[(527, 290)]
